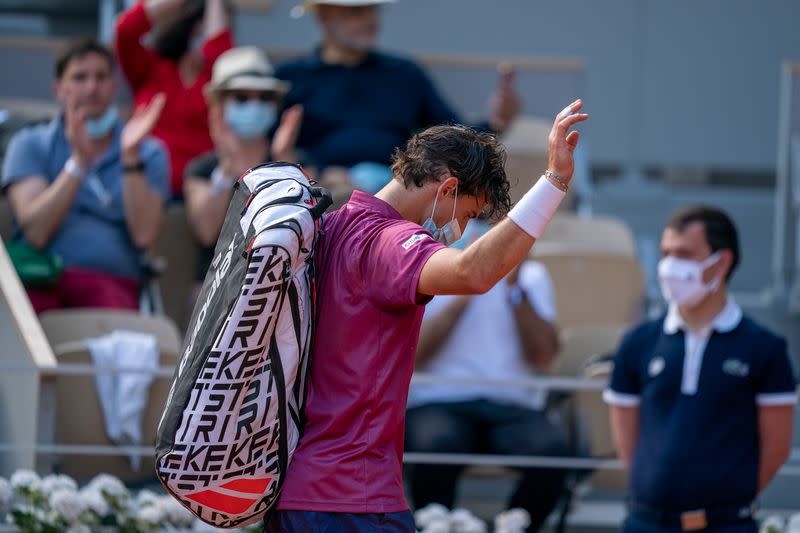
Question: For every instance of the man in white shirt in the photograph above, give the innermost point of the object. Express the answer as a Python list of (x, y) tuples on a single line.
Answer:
[(504, 334)]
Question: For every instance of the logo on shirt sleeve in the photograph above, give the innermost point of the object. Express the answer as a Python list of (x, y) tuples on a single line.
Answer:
[(414, 239)]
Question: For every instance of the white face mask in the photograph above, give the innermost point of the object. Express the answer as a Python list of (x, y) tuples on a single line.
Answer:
[(682, 280), (450, 232)]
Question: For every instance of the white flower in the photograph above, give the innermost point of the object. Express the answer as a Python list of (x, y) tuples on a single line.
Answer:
[(793, 526), (433, 512), (54, 482), (460, 515), (772, 524), (47, 517), (440, 525), (109, 486), (5, 495), (463, 521), (150, 515), (177, 515), (512, 520), (23, 480), (68, 504), (95, 502), (146, 497), (473, 526), (78, 528)]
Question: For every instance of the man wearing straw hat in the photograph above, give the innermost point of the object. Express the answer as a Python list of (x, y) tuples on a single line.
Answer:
[(360, 104), (243, 98)]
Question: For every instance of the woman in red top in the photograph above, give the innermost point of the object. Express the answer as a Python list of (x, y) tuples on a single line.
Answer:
[(189, 36)]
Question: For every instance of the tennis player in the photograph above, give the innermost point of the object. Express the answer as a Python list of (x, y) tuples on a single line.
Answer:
[(381, 259)]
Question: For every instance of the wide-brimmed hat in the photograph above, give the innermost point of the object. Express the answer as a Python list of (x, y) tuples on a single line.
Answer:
[(309, 5), (244, 68)]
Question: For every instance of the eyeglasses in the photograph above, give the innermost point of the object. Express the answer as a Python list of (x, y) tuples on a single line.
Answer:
[(242, 97)]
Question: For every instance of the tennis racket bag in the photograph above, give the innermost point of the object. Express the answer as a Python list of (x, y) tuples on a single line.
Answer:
[(233, 416)]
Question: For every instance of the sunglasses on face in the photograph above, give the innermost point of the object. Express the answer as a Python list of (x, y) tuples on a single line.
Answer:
[(242, 97)]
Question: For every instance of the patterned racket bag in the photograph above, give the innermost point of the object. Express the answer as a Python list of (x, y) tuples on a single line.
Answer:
[(233, 416)]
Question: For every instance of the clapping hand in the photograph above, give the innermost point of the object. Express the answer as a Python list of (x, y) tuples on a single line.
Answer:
[(139, 126), (84, 151), (285, 138)]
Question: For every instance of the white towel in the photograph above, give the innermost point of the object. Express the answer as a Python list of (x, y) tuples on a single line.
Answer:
[(123, 395)]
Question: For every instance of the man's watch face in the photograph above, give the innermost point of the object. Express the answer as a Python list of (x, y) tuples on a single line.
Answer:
[(516, 295)]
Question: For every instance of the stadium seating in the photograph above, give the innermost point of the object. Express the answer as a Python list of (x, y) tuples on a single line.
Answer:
[(595, 288), (595, 414), (589, 235), (580, 344), (79, 418), (176, 246)]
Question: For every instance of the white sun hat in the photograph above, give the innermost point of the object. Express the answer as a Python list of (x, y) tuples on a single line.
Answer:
[(244, 67), (309, 5)]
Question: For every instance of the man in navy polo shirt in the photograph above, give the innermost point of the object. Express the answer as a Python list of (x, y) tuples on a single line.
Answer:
[(360, 104), (702, 399)]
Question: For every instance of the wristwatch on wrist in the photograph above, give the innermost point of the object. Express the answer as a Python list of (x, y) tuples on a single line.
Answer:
[(72, 168), (516, 295), (133, 168)]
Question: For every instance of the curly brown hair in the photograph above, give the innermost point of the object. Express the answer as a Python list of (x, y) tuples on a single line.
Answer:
[(475, 158)]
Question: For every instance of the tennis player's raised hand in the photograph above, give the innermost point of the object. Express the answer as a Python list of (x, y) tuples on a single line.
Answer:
[(562, 142)]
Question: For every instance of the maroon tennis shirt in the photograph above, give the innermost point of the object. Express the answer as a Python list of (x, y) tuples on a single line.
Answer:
[(350, 457)]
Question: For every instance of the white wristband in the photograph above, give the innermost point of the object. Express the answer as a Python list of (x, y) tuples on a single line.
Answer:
[(72, 168), (537, 207), (220, 182)]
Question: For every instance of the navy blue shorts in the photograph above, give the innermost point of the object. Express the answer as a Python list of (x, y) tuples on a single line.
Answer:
[(317, 522)]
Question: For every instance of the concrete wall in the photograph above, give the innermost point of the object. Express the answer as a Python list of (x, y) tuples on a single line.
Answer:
[(677, 82), (668, 82)]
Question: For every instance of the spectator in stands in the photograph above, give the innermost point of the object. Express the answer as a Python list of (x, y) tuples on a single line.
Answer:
[(188, 36), (702, 399), (360, 104), (86, 188), (504, 334), (243, 97)]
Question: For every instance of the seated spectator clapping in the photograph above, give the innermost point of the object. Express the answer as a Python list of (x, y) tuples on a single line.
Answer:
[(243, 97), (86, 188)]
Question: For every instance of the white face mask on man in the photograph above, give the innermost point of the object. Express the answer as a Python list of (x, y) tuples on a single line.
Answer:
[(450, 232), (682, 282)]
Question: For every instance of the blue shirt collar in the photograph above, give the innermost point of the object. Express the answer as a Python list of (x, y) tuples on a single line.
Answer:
[(725, 321)]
